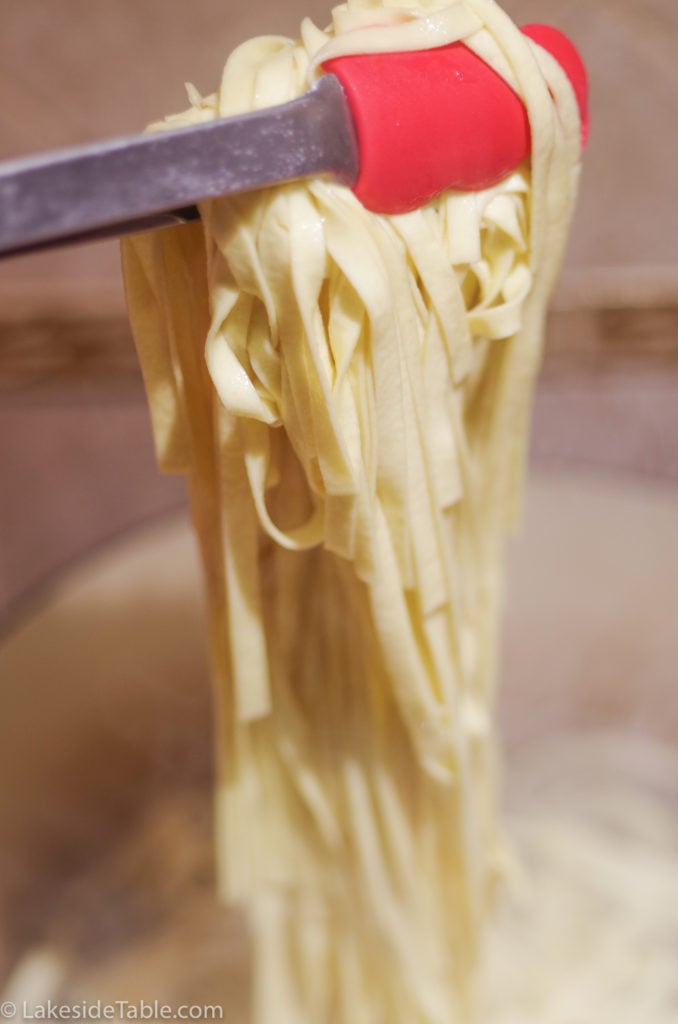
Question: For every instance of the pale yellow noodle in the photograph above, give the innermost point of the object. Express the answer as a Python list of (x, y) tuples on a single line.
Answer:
[(349, 397)]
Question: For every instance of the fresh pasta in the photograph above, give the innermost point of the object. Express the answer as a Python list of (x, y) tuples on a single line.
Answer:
[(348, 395)]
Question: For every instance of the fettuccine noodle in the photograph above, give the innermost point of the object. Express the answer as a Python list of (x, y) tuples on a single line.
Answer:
[(348, 395)]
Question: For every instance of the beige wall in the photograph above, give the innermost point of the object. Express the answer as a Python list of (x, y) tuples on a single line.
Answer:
[(72, 70), (77, 465)]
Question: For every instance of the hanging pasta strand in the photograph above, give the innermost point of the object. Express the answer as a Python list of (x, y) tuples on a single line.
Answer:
[(354, 444)]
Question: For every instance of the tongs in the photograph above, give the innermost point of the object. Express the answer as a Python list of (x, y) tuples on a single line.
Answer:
[(397, 128)]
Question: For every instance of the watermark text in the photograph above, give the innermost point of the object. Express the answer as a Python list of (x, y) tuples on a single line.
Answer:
[(117, 1010)]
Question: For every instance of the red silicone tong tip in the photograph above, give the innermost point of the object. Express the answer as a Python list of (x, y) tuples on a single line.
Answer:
[(432, 120)]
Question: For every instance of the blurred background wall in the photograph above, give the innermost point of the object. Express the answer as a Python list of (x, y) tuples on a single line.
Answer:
[(103, 691), (76, 463)]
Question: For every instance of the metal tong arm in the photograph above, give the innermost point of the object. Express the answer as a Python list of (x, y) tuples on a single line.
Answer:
[(137, 182)]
